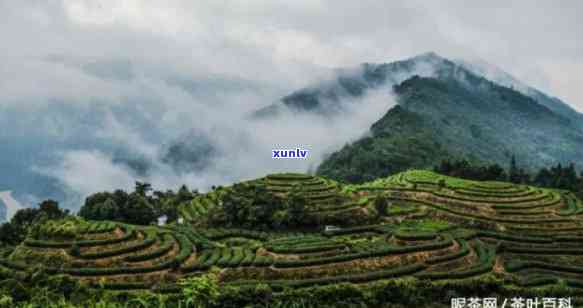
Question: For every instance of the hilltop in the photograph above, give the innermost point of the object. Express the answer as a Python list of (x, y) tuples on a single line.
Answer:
[(453, 113), (412, 235), (446, 109)]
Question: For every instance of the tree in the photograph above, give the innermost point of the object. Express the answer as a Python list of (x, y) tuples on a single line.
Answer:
[(184, 194), (444, 168), (523, 177), (138, 210), (543, 178), (570, 177), (9, 234), (92, 208), (381, 204), (250, 206), (142, 188), (296, 204), (16, 230), (495, 173), (441, 183), (559, 177), (464, 169), (52, 210), (201, 291), (135, 208), (554, 177), (108, 210), (513, 173), (23, 218), (233, 203), (579, 188)]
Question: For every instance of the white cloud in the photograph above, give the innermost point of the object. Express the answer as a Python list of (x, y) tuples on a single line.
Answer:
[(86, 172), (12, 205), (138, 74)]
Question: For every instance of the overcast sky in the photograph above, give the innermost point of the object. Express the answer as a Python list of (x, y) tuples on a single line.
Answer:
[(95, 78), (538, 42)]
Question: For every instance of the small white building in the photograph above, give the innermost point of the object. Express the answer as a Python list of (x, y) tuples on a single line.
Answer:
[(180, 220), (162, 220), (331, 228)]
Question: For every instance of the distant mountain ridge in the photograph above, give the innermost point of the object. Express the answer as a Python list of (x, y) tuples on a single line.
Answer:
[(497, 75), (324, 98), (445, 109)]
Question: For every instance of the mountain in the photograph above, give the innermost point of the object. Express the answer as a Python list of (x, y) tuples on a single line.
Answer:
[(327, 97), (445, 110), (499, 76), (192, 152)]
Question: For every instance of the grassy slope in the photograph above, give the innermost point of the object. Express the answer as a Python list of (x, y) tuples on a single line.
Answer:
[(438, 229)]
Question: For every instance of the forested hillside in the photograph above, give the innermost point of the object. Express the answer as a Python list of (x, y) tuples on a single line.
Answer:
[(454, 117)]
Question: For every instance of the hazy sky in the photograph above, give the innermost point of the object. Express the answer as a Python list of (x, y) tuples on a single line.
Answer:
[(539, 42), (89, 79)]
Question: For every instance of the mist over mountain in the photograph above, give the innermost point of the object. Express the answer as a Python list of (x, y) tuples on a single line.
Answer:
[(329, 97), (326, 97), (176, 129), (253, 151), (457, 114), (76, 147), (95, 96), (168, 129), (192, 152), (497, 75)]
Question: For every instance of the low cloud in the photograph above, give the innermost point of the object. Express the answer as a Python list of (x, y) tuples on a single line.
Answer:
[(241, 147), (94, 87), (86, 171)]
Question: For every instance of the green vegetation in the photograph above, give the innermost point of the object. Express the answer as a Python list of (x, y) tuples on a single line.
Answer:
[(559, 177), (264, 243), (138, 207), (457, 115), (411, 143), (14, 232)]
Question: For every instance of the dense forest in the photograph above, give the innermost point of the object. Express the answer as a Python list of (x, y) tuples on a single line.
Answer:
[(559, 176), (456, 114)]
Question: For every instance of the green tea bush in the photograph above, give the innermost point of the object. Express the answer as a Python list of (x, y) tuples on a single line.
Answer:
[(305, 248), (377, 252), (226, 255), (165, 247), (462, 252), (352, 278), (119, 251), (486, 257)]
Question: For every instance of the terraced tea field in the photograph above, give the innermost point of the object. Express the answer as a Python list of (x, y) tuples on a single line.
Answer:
[(436, 230)]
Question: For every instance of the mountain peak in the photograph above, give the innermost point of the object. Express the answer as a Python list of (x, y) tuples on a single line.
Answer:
[(429, 56), (327, 98)]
